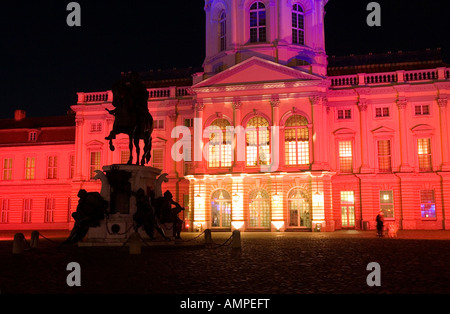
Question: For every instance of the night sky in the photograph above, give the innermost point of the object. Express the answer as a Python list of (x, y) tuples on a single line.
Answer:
[(44, 62)]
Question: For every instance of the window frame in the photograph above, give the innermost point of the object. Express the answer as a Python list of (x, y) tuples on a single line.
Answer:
[(260, 29), (295, 12), (7, 172), (225, 147), (30, 170), (258, 135), (297, 128), (392, 204), (429, 203), (222, 31)]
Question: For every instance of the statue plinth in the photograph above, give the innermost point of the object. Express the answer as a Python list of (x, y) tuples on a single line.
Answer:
[(119, 186)]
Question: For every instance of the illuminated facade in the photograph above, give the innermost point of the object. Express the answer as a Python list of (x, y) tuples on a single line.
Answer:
[(282, 137)]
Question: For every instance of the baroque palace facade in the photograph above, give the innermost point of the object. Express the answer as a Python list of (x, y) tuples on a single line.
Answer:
[(282, 137)]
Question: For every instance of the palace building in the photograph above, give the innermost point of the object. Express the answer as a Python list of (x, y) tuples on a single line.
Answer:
[(283, 137)]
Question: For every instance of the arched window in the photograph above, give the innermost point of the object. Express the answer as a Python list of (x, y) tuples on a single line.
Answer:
[(296, 140), (257, 23), (298, 25), (222, 31), (259, 209), (298, 207), (258, 141), (219, 150), (220, 209)]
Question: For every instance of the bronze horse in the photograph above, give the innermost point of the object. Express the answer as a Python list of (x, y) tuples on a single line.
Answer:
[(132, 118)]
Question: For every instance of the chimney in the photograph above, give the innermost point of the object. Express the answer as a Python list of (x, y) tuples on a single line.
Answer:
[(19, 115)]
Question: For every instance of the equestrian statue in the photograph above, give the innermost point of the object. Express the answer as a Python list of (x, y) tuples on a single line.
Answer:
[(132, 117)]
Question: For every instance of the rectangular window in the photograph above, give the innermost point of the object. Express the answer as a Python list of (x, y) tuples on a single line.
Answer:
[(422, 110), (96, 127), (52, 167), (7, 169), (158, 124), (189, 122), (49, 210), (32, 136), (384, 156), (4, 212), (344, 114), (29, 168), (382, 112), (71, 166), (387, 203), (158, 158), (427, 204), (424, 152), (95, 164), (345, 157), (27, 210), (124, 156)]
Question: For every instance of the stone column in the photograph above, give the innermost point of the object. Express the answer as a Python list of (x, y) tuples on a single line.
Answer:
[(199, 166), (365, 167), (276, 154), (79, 159), (404, 166), (239, 138), (442, 103), (318, 135)]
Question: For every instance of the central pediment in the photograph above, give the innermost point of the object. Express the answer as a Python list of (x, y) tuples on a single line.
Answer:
[(255, 71)]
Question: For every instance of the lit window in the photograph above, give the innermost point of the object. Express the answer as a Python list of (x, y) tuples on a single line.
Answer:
[(219, 147), (257, 23), (344, 114), (7, 169), (223, 31), (298, 207), (345, 157), (258, 141), (157, 158), (95, 164), (124, 156), (259, 209), (49, 210), (296, 141), (4, 213), (422, 110), (298, 27), (424, 152), (52, 167), (347, 209), (27, 210), (29, 168), (382, 112), (427, 204), (220, 209), (384, 156), (387, 203)]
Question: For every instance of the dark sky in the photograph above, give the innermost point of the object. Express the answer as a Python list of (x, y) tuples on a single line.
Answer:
[(44, 62)]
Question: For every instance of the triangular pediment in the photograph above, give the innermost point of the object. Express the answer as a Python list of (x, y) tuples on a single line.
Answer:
[(255, 71)]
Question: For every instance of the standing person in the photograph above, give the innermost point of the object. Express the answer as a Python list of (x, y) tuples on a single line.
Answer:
[(380, 223)]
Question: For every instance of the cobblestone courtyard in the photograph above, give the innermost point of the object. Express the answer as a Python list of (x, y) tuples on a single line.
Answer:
[(267, 263)]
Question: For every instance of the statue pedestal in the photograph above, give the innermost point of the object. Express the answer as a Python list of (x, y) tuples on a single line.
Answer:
[(119, 185)]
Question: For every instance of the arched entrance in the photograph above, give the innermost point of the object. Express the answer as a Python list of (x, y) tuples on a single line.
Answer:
[(298, 209)]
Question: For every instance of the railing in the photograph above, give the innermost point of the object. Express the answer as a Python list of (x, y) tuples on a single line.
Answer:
[(154, 93), (423, 75), (345, 80), (376, 78), (96, 97), (390, 77)]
